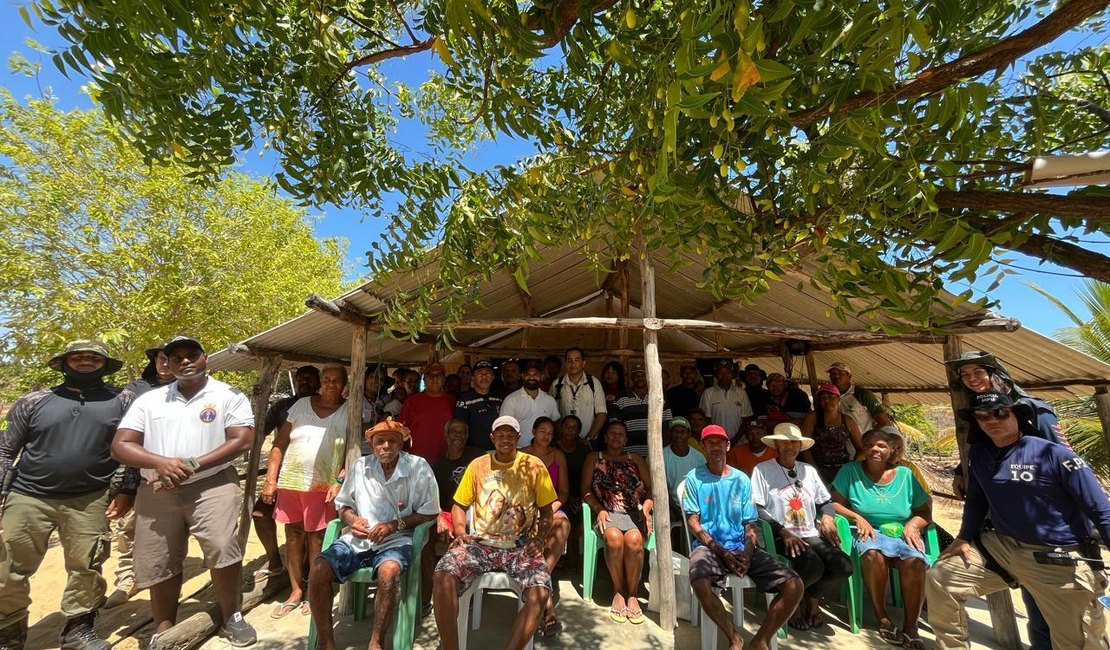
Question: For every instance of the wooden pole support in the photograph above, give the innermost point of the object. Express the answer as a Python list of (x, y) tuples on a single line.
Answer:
[(263, 388), (661, 515), (354, 425), (811, 370), (1102, 404), (1001, 605)]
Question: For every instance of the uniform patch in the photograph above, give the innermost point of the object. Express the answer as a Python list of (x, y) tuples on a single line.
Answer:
[(208, 414)]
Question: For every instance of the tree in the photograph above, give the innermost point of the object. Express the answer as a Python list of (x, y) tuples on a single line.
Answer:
[(95, 243), (879, 142)]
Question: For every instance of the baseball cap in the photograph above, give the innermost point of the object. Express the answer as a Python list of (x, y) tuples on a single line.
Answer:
[(636, 367), (841, 366), (434, 367), (722, 363), (827, 388), (986, 401), (678, 422), (713, 430), (483, 365), (506, 421), (180, 340)]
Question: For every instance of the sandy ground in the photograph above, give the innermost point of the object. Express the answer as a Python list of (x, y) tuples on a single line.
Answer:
[(586, 623)]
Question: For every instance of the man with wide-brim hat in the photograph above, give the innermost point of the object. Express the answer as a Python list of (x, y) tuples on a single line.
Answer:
[(384, 497), (64, 481)]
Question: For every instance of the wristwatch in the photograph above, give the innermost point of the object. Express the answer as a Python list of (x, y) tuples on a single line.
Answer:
[(400, 523)]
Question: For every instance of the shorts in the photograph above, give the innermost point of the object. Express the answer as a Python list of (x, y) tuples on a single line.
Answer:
[(622, 522), (207, 509), (765, 570), (306, 508), (345, 561), (894, 548), (470, 559)]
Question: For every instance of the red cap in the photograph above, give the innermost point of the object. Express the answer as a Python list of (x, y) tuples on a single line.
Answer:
[(713, 430), (828, 388)]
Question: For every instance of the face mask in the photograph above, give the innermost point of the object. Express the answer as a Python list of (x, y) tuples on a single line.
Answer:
[(83, 380)]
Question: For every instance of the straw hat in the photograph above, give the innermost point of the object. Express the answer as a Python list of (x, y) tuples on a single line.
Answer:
[(787, 432)]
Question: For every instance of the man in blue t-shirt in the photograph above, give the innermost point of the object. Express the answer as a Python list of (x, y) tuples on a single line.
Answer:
[(1042, 499), (723, 523)]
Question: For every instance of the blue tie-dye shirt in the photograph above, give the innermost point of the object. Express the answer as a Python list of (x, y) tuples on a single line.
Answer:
[(723, 504)]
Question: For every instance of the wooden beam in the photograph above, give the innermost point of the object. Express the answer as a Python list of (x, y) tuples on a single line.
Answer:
[(1001, 605), (1102, 405), (261, 398), (293, 357), (353, 448), (336, 309), (661, 515), (1032, 385), (777, 331), (811, 370)]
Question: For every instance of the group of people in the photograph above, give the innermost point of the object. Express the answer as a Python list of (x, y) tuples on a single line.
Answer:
[(504, 473)]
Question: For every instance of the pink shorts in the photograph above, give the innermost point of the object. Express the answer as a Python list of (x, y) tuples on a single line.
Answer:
[(306, 508)]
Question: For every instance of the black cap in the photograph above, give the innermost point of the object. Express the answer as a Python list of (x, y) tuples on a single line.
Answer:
[(484, 364), (180, 340), (994, 400)]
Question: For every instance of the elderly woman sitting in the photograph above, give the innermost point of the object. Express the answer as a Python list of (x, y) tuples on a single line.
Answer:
[(617, 485), (889, 509), (790, 496)]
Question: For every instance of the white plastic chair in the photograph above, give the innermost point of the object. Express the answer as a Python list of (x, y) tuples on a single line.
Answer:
[(493, 581), (686, 606), (735, 585)]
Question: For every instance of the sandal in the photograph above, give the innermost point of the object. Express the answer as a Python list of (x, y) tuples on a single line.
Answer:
[(798, 622), (264, 573), (912, 642), (285, 609), (816, 620), (617, 615), (306, 609), (634, 617), (890, 633), (551, 627)]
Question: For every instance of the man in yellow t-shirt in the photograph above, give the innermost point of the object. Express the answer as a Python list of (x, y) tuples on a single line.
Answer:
[(511, 495)]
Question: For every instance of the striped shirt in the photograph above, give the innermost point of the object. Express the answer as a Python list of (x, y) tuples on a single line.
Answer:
[(633, 411)]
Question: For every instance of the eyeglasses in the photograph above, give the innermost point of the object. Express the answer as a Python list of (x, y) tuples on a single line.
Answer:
[(1000, 413)]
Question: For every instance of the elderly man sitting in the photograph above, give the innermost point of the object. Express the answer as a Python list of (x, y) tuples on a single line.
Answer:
[(385, 496), (508, 490)]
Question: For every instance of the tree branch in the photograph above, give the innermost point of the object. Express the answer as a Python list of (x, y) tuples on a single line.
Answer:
[(376, 57), (563, 15), (997, 56), (1093, 210), (1065, 254)]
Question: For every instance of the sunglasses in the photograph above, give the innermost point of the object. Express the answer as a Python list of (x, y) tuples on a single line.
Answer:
[(1000, 413)]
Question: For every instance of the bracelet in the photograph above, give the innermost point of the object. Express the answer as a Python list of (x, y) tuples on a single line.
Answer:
[(400, 523)]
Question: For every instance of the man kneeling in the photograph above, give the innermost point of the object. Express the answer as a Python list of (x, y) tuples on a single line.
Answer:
[(506, 489), (384, 497), (723, 520)]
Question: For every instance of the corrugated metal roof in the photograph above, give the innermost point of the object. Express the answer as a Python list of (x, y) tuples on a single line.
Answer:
[(567, 284)]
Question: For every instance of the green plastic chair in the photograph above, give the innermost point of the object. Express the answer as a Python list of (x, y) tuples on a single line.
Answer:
[(855, 582), (592, 542), (408, 606), (850, 588)]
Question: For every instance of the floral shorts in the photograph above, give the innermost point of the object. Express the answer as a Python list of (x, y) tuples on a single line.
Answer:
[(469, 560)]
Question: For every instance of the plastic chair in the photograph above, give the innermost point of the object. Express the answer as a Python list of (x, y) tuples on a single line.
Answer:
[(855, 582), (850, 588), (736, 586), (408, 605), (495, 581), (592, 542)]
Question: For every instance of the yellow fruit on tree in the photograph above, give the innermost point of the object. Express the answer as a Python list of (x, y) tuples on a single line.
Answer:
[(718, 150), (630, 18)]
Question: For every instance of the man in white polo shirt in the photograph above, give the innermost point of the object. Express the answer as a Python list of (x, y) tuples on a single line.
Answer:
[(530, 403), (725, 403), (184, 437), (580, 394)]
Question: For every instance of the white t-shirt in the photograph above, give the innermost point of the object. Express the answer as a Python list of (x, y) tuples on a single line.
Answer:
[(726, 408), (411, 488), (580, 400), (176, 427), (677, 467), (315, 452), (526, 409), (793, 506)]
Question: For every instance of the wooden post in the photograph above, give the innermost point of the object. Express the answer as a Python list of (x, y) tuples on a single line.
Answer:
[(659, 493), (354, 425), (261, 394), (1102, 404), (1001, 605), (811, 370)]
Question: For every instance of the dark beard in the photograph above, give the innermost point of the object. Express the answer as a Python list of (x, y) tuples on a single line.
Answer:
[(83, 380), (531, 385)]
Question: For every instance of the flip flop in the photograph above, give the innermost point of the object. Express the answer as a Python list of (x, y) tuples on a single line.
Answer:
[(306, 609), (551, 628), (816, 620), (285, 609), (798, 622), (891, 634), (634, 618), (617, 615), (912, 642), (264, 573)]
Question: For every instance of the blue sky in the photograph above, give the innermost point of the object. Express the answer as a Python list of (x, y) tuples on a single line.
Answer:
[(1016, 299)]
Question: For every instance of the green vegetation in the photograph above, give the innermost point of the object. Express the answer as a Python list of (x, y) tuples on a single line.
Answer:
[(96, 243), (850, 136)]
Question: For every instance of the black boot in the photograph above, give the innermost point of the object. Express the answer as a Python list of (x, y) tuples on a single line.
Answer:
[(14, 636), (79, 634)]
